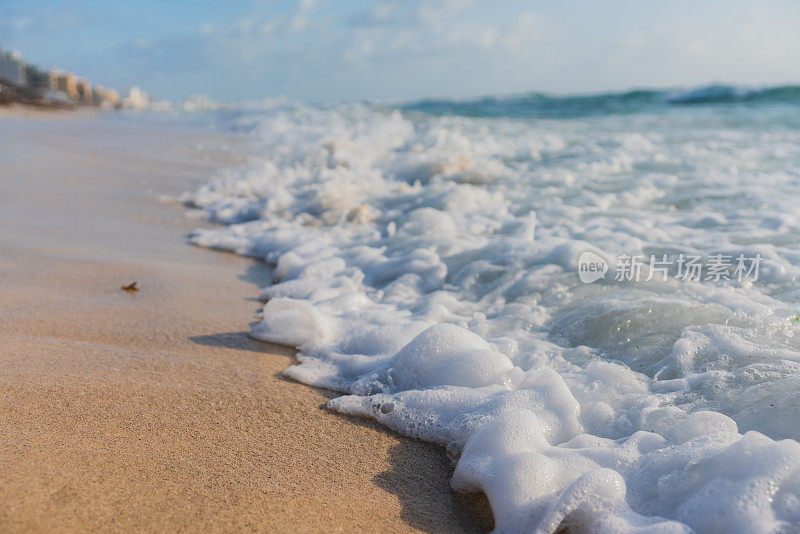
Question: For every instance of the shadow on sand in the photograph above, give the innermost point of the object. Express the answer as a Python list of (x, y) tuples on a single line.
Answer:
[(418, 476), (241, 341), (419, 472)]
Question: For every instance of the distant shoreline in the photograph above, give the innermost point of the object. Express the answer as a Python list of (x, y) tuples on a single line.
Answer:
[(20, 109), (11, 96)]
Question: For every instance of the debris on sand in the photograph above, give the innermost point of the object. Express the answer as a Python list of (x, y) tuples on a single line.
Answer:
[(133, 286)]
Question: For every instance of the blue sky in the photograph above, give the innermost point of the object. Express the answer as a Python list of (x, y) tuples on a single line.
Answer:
[(330, 50)]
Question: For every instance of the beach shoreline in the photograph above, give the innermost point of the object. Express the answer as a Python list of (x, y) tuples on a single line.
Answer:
[(153, 410), (17, 109)]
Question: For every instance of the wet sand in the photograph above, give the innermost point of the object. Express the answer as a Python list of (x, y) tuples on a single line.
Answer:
[(153, 410)]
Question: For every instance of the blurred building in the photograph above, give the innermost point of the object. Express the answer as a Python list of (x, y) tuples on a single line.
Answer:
[(12, 69), (24, 83), (84, 90), (136, 99), (41, 80), (104, 97), (68, 84)]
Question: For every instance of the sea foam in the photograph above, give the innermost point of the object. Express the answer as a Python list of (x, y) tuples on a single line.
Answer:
[(426, 267)]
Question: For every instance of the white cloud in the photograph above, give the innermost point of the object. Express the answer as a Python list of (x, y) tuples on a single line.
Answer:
[(382, 11), (256, 25), (528, 30), (301, 14), (437, 28), (433, 11), (752, 45), (327, 50)]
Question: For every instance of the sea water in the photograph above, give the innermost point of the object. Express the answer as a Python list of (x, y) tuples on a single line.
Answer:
[(426, 260)]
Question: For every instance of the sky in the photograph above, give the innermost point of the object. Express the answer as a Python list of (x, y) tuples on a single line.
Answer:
[(343, 50)]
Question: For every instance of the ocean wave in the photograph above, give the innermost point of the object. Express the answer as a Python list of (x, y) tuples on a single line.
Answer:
[(426, 268), (732, 94), (541, 105)]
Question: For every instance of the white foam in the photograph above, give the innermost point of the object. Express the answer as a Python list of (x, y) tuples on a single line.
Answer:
[(426, 267)]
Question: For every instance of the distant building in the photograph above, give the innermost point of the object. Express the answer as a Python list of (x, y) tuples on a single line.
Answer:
[(53, 75), (136, 99), (84, 90), (66, 83), (38, 79), (105, 98), (12, 69), (28, 84)]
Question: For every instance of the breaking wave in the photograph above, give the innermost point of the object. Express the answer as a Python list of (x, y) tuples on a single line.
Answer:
[(540, 105), (426, 268)]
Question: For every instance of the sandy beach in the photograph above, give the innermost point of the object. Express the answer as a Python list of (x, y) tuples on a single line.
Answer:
[(153, 410)]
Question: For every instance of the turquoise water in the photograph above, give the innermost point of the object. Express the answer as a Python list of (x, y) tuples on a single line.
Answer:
[(541, 105)]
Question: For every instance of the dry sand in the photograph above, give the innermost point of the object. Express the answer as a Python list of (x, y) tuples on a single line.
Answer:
[(153, 410)]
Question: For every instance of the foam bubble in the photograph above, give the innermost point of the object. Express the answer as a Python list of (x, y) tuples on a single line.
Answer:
[(426, 267)]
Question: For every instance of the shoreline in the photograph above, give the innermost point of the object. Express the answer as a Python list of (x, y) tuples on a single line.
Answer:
[(20, 109), (154, 410)]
